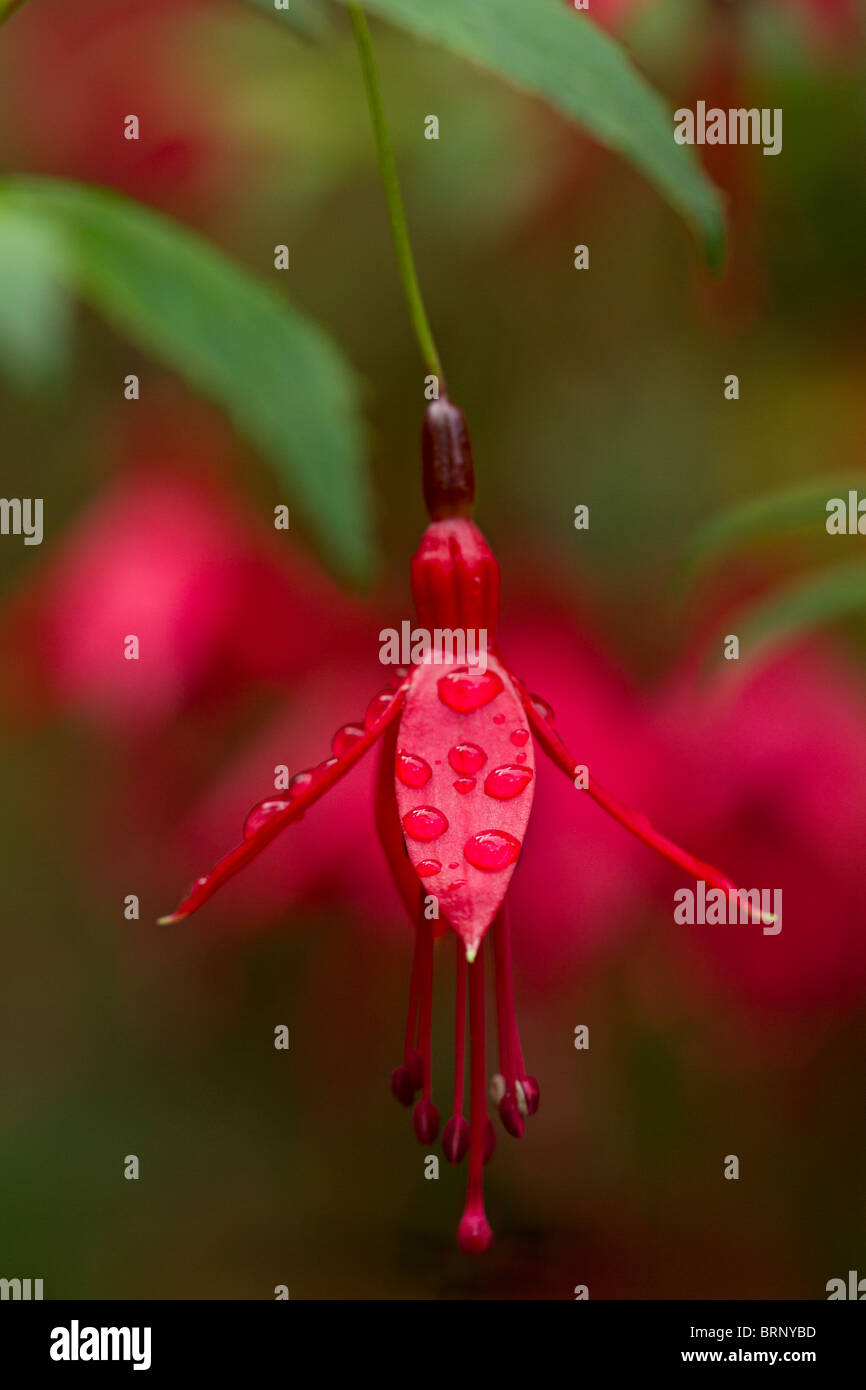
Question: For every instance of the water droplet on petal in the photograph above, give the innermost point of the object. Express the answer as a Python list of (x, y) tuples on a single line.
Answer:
[(412, 771), (464, 785), (425, 823), (427, 868), (519, 737), (456, 886), (467, 758), (377, 707), (321, 768), (507, 781), (299, 783), (520, 757), (346, 738), (499, 718), (465, 690), (543, 708), (263, 812), (492, 849)]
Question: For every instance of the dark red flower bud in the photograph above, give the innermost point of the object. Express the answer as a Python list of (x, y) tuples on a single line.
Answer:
[(446, 455)]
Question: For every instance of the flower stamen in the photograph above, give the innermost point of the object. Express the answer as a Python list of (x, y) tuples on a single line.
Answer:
[(426, 1116), (513, 1090), (455, 1136), (474, 1234)]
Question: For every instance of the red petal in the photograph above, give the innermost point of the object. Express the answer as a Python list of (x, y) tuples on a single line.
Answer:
[(476, 836), (263, 829), (634, 821)]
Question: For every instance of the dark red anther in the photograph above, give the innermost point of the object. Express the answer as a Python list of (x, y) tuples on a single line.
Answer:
[(455, 1139), (415, 1067), (426, 1121), (531, 1093), (510, 1115), (446, 455), (401, 1086)]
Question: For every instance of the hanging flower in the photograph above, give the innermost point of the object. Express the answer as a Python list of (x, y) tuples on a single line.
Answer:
[(453, 802)]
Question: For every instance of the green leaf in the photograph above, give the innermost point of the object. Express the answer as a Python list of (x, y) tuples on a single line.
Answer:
[(800, 607), (305, 17), (8, 8), (231, 337), (34, 301), (776, 513), (560, 55)]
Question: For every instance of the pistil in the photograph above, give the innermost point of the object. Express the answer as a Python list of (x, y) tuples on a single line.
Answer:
[(455, 1136), (426, 1116)]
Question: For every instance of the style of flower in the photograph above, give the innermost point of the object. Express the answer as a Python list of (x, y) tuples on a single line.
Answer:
[(453, 802)]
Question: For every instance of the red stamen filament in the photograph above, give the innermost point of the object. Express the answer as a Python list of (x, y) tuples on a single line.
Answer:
[(426, 1116), (425, 1009), (455, 1136), (459, 1028), (474, 1233), (635, 821), (414, 989), (510, 1052)]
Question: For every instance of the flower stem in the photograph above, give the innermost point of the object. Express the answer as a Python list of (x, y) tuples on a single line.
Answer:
[(393, 197)]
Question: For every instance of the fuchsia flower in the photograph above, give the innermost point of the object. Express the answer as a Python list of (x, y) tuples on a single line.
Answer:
[(201, 585), (93, 65), (454, 796), (798, 717)]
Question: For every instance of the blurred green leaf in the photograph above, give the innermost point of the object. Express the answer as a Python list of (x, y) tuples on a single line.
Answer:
[(305, 17), (34, 300), (775, 513), (230, 336), (8, 8), (800, 607), (562, 56)]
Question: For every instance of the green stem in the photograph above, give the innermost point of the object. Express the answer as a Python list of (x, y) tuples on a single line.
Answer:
[(393, 197)]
